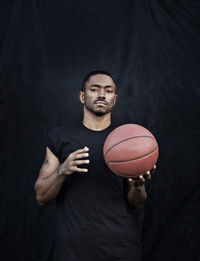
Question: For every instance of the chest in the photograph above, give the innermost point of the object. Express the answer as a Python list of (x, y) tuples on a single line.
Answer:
[(75, 141)]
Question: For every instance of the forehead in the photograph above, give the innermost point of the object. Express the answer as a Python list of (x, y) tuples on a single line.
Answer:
[(100, 79)]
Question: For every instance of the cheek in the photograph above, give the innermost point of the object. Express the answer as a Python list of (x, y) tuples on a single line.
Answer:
[(112, 100), (91, 95), (89, 98)]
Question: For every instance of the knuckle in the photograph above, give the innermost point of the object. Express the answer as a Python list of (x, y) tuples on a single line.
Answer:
[(70, 156), (71, 165)]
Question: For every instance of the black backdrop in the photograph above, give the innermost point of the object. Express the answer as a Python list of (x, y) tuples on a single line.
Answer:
[(152, 49)]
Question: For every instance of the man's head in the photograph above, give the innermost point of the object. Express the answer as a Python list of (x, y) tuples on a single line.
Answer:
[(98, 93), (87, 77)]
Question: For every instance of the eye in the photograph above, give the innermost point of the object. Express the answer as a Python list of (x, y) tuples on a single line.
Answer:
[(109, 91), (93, 89)]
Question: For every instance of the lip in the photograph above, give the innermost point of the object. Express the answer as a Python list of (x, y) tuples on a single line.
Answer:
[(100, 102)]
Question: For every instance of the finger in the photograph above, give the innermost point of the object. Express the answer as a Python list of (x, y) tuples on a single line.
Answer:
[(84, 150), (148, 175), (79, 162), (141, 178), (131, 181), (75, 169), (81, 155), (153, 169), (134, 182), (139, 181)]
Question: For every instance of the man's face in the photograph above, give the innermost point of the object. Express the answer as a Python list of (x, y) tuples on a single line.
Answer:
[(99, 96)]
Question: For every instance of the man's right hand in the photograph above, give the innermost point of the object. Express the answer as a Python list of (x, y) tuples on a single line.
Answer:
[(72, 162)]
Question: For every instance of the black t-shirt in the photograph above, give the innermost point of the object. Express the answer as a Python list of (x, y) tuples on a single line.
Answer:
[(93, 221)]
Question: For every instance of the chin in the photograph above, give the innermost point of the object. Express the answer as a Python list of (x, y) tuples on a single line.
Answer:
[(100, 113)]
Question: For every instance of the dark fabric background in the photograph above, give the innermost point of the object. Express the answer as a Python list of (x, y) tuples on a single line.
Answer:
[(152, 49)]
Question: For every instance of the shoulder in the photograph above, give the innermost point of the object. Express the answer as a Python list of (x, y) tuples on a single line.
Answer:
[(55, 130), (63, 129), (56, 137)]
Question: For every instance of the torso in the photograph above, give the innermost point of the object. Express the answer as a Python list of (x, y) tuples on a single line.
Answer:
[(93, 219)]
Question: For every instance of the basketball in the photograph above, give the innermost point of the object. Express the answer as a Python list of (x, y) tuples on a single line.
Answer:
[(130, 150)]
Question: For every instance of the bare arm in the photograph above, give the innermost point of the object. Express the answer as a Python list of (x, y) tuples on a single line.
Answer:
[(135, 190), (52, 174)]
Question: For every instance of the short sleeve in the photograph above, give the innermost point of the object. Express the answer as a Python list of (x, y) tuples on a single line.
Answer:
[(53, 140)]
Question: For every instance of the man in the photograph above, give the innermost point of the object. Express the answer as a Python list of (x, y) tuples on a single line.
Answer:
[(95, 218)]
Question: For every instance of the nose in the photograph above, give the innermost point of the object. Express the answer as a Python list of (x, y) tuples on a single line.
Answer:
[(101, 93)]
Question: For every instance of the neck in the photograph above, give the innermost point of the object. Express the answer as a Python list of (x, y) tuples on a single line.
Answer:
[(94, 122)]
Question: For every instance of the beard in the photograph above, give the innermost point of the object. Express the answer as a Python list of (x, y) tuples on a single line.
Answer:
[(98, 111)]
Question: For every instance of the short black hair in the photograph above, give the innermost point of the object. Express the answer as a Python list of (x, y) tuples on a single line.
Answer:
[(87, 77)]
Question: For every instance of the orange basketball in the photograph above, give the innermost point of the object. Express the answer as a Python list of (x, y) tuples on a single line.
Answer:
[(130, 150)]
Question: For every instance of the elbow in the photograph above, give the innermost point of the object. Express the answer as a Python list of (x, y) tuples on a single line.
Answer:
[(39, 198), (42, 198), (40, 201), (43, 195)]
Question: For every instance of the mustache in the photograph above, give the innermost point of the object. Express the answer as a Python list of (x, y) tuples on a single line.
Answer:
[(101, 100)]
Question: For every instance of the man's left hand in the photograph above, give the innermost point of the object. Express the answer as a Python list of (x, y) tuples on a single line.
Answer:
[(139, 181)]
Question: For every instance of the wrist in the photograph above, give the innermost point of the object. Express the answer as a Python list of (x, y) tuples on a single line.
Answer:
[(59, 171)]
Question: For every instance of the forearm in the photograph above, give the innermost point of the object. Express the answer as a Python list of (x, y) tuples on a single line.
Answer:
[(136, 196), (47, 188)]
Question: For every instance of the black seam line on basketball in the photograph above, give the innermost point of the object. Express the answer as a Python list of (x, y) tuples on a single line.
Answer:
[(134, 137), (109, 162)]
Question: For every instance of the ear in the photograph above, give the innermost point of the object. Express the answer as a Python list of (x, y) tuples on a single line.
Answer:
[(82, 97), (115, 99)]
